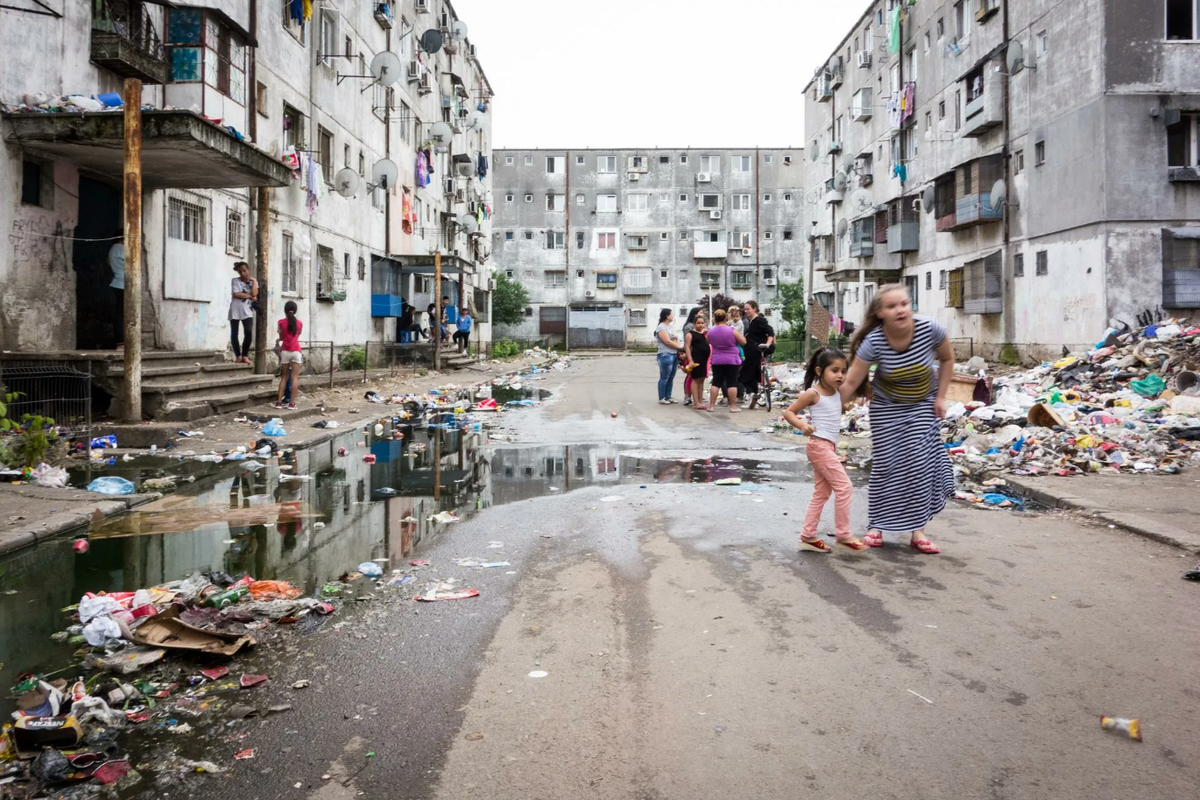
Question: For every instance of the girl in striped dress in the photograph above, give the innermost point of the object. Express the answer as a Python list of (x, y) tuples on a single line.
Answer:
[(911, 477)]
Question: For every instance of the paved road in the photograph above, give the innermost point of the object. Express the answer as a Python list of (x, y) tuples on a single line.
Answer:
[(691, 652)]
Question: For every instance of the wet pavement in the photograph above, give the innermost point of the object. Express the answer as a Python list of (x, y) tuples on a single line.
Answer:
[(690, 651)]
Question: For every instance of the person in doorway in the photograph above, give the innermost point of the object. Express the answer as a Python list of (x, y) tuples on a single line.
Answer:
[(723, 342), (462, 336), (289, 354), (669, 348), (244, 296), (116, 262), (688, 324), (911, 478), (760, 338), (696, 343), (827, 369)]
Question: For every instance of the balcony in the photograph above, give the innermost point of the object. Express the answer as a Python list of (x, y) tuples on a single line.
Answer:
[(982, 114), (1183, 174), (127, 44), (862, 249), (904, 237), (975, 209), (710, 249)]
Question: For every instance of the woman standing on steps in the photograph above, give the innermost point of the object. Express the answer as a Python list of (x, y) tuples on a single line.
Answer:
[(911, 478)]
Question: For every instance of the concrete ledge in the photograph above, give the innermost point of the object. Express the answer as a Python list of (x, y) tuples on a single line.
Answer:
[(53, 512), (1133, 523)]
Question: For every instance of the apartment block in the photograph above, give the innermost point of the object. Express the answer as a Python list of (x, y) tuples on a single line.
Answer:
[(604, 239), (1027, 168)]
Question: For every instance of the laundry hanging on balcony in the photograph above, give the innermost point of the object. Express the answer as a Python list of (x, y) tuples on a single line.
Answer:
[(423, 169), (900, 171), (312, 179), (893, 110), (908, 101), (407, 215), (300, 10), (482, 167), (894, 30)]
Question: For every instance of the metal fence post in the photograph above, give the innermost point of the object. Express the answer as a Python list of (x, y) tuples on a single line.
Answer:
[(330, 365), (366, 360)]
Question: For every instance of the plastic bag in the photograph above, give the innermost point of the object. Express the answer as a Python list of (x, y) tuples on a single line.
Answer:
[(48, 476), (99, 606), (1150, 386), (110, 484), (274, 590), (274, 428), (105, 441), (370, 569), (100, 630)]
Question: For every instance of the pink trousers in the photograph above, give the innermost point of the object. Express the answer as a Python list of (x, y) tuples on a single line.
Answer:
[(829, 478)]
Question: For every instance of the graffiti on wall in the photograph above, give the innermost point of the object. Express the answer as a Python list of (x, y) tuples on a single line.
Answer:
[(39, 242)]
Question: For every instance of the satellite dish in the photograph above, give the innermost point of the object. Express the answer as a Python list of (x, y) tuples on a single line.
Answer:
[(841, 227), (928, 198), (458, 31), (849, 167), (1016, 56), (475, 121), (385, 66), (861, 200), (431, 41), (812, 236), (839, 182), (468, 223), (441, 133), (346, 182), (385, 173), (999, 197)]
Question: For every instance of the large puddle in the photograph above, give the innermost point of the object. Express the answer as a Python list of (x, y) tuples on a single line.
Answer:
[(311, 515)]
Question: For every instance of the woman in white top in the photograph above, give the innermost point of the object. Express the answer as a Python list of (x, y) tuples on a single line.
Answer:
[(244, 291), (669, 348)]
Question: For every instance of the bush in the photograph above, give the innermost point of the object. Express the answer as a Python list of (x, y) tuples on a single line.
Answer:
[(505, 348), (354, 359), (37, 434)]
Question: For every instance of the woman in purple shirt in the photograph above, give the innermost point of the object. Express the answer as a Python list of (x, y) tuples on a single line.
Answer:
[(723, 341)]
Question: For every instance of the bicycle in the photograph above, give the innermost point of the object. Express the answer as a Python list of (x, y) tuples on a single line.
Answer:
[(764, 380)]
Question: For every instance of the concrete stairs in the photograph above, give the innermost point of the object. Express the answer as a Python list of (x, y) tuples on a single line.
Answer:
[(458, 361), (181, 385)]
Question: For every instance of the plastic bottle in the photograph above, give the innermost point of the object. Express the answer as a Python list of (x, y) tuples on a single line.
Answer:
[(227, 597)]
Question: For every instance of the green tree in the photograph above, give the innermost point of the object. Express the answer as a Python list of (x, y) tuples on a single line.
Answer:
[(789, 300), (509, 301)]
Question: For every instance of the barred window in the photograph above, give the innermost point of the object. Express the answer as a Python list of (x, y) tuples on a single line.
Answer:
[(235, 232), (288, 258), (187, 222)]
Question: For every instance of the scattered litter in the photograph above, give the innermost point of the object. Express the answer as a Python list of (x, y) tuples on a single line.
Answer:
[(444, 518), (538, 673), (274, 427), (370, 569), (110, 484), (445, 591), (474, 736), (612, 498), (1131, 727), (923, 697), (248, 680), (244, 754), (49, 477), (728, 482)]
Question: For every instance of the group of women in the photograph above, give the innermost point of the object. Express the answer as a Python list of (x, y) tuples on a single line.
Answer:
[(729, 348), (902, 363)]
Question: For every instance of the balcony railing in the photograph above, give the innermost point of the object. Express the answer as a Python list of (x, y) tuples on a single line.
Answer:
[(124, 41), (710, 249)]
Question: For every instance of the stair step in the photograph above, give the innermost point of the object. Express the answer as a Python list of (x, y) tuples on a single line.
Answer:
[(174, 390), (228, 366)]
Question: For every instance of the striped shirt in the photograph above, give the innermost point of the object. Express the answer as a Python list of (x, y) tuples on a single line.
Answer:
[(905, 377)]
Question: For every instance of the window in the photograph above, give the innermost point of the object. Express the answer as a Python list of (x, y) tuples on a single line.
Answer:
[(1043, 39), (362, 268), (637, 202), (1183, 141), (1018, 162), (787, 160), (710, 279), (555, 278), (1039, 153), (638, 241), (346, 265), (579, 239), (346, 155), (293, 128), (941, 28), (529, 161), (235, 232), (606, 165), (202, 49), (958, 109), (606, 280), (941, 110), (554, 202), (606, 241), (768, 235), (710, 163), (742, 239), (710, 236), (710, 201), (327, 38), (289, 264), (579, 161), (741, 163), (683, 159), (260, 98), (555, 240), (606, 203), (768, 159), (683, 198), (37, 184), (787, 198), (1042, 261), (954, 289), (187, 221), (293, 26), (1019, 265), (741, 202), (928, 120), (663, 236), (529, 235), (787, 235), (983, 285), (941, 279), (926, 41), (664, 159), (578, 273), (508, 236), (741, 279), (928, 281), (766, 198), (555, 165), (508, 198), (509, 161), (962, 21), (638, 281), (528, 198), (683, 236), (362, 164), (637, 319), (868, 39), (580, 199), (325, 153)]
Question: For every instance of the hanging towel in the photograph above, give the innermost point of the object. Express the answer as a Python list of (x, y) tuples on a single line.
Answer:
[(894, 30), (482, 167), (422, 169), (406, 214)]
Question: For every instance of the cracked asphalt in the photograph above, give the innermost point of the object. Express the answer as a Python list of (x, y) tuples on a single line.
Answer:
[(691, 652)]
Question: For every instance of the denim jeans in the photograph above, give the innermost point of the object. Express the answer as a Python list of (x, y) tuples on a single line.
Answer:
[(668, 363)]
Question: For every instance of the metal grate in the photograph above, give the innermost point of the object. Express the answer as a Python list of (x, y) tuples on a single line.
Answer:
[(48, 389), (983, 290)]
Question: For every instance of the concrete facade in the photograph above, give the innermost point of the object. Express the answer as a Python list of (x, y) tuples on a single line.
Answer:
[(618, 234), (1079, 132), (283, 87)]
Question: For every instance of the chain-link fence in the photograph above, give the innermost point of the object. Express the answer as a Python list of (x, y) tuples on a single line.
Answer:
[(47, 396)]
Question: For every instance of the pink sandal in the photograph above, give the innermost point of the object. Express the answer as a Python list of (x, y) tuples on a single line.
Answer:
[(873, 539), (925, 546)]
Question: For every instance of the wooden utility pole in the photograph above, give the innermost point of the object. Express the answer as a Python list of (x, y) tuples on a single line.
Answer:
[(131, 401), (435, 325), (262, 272)]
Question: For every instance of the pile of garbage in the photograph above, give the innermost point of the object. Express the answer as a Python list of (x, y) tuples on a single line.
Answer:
[(65, 732)]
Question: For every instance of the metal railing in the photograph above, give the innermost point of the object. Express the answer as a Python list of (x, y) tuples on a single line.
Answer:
[(53, 391), (134, 26)]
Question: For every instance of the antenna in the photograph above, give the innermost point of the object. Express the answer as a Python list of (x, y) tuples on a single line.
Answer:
[(385, 173), (841, 227), (839, 182), (928, 198), (385, 66), (346, 182), (441, 133), (431, 41), (1016, 58)]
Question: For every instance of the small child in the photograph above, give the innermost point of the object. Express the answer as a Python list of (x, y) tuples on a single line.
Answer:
[(827, 368), (288, 342)]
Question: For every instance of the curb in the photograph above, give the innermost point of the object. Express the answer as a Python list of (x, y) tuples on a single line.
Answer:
[(61, 523), (1132, 523)]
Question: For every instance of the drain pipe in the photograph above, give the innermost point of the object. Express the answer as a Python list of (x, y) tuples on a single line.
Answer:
[(1009, 317)]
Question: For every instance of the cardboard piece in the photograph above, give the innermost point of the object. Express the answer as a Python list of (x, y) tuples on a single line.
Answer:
[(1044, 416), (168, 631)]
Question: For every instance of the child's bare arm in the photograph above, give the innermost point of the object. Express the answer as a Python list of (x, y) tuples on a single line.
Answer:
[(792, 414)]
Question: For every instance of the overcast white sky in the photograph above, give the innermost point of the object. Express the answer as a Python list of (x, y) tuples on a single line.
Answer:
[(667, 73)]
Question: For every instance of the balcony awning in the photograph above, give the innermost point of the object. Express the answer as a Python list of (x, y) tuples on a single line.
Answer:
[(423, 265), (180, 149), (1185, 233)]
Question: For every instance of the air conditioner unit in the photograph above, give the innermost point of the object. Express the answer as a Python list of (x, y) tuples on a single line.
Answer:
[(747, 251), (864, 59), (460, 195), (422, 6), (704, 177), (491, 284), (589, 294), (425, 84), (633, 176), (714, 214), (769, 281), (448, 185)]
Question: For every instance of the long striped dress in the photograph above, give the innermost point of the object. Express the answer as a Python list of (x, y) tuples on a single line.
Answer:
[(911, 477)]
